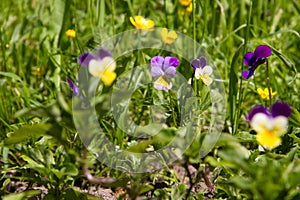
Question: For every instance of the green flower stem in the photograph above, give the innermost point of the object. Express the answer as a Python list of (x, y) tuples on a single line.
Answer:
[(113, 16), (173, 110), (269, 83), (194, 27)]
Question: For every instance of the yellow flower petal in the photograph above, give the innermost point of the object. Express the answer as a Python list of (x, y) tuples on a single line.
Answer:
[(268, 140), (189, 9), (162, 84), (108, 77), (71, 33), (141, 23), (168, 37), (264, 94), (185, 2)]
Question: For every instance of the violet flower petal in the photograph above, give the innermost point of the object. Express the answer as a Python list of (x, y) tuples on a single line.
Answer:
[(170, 71), (157, 61), (195, 63), (85, 58), (170, 62), (73, 87), (257, 109), (156, 71), (249, 59), (262, 51), (202, 63), (248, 73), (281, 109), (102, 53)]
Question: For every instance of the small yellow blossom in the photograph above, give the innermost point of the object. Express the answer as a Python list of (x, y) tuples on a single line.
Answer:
[(168, 37), (71, 33), (264, 94), (141, 23), (189, 9), (185, 2)]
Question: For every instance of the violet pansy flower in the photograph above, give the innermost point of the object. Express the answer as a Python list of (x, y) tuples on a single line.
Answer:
[(270, 125), (164, 69), (202, 70), (74, 88), (101, 65), (256, 58)]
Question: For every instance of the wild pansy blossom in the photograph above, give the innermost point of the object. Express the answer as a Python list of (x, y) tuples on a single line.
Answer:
[(73, 87), (270, 124), (256, 58), (164, 69), (264, 94), (141, 23), (101, 65), (202, 70), (71, 33), (168, 37)]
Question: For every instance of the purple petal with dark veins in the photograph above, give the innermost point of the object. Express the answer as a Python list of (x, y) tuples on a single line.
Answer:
[(102, 53), (257, 109), (157, 61), (281, 109), (170, 62), (85, 58)]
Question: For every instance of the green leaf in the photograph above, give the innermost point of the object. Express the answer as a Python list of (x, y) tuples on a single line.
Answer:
[(26, 132), (70, 169), (11, 75), (146, 188), (23, 195)]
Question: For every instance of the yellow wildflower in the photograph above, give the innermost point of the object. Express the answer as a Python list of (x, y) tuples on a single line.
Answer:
[(71, 33), (141, 23), (264, 94), (185, 2), (189, 9), (168, 37)]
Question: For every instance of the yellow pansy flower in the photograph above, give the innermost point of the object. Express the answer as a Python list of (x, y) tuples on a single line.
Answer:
[(168, 37), (71, 33), (141, 23), (264, 94)]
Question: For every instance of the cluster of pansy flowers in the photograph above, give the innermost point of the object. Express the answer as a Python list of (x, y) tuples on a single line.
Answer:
[(269, 124), (163, 69)]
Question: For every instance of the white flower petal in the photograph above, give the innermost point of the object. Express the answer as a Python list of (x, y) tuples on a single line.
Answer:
[(280, 125), (260, 122), (95, 67), (207, 70), (108, 63), (198, 73)]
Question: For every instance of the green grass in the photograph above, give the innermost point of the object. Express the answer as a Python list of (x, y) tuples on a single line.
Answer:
[(40, 144)]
